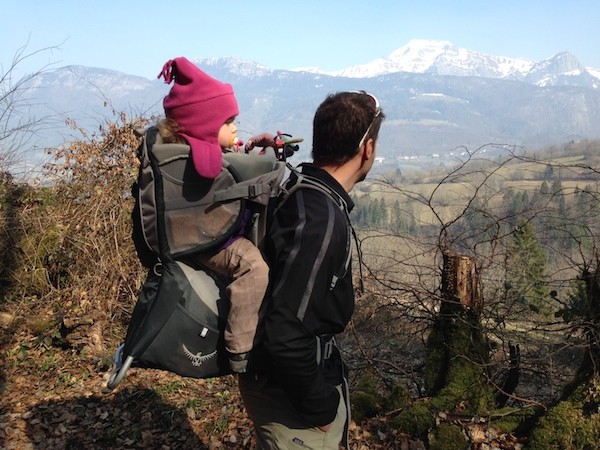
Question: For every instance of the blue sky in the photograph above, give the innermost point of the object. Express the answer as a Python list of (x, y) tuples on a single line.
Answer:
[(138, 37)]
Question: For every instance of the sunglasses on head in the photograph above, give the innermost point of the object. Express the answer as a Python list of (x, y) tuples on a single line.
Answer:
[(377, 113)]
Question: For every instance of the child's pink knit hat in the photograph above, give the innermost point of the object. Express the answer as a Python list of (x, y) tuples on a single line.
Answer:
[(200, 105)]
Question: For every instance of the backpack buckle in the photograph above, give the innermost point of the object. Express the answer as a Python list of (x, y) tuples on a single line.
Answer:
[(254, 190), (325, 346)]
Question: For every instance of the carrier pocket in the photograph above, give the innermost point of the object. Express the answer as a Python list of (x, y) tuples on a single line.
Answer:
[(178, 323), (188, 346)]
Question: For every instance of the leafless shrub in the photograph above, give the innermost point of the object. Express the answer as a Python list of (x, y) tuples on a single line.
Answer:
[(76, 251), (18, 125), (476, 209)]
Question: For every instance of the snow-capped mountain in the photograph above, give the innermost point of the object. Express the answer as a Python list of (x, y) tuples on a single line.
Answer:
[(435, 96), (563, 69), (445, 58), (235, 65), (441, 58)]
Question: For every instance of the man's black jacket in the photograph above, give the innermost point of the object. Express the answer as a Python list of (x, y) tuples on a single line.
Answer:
[(306, 246)]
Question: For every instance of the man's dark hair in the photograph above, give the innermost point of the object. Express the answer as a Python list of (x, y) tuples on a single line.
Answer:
[(340, 123)]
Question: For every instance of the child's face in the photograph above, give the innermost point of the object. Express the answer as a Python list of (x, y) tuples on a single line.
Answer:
[(227, 133)]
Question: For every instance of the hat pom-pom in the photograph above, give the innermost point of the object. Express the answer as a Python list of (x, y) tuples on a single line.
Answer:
[(167, 71)]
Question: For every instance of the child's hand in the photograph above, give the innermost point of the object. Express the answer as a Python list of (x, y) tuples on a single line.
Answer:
[(261, 140)]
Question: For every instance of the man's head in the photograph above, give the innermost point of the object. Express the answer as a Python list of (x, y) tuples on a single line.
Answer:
[(200, 105), (342, 126)]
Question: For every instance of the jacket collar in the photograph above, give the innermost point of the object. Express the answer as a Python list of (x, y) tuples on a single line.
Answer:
[(323, 176)]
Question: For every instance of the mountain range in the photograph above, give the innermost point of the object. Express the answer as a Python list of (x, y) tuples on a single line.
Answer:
[(444, 58), (436, 97)]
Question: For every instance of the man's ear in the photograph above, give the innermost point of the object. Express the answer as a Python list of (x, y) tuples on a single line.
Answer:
[(369, 149)]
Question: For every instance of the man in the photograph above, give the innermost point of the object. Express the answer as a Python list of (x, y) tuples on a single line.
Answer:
[(297, 400)]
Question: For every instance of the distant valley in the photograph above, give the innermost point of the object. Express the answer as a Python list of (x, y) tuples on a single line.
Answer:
[(451, 99)]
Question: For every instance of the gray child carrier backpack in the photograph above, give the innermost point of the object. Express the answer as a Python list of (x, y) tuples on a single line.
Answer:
[(178, 320)]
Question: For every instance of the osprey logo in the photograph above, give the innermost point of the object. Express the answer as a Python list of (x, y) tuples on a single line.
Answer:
[(198, 359)]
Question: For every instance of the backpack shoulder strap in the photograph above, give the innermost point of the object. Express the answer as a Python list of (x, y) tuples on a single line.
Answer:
[(304, 181)]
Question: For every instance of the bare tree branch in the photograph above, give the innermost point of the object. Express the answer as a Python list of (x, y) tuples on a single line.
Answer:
[(18, 125)]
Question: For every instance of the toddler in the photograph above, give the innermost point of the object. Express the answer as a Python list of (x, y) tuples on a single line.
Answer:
[(200, 111)]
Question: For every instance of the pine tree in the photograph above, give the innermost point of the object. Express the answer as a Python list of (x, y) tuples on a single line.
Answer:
[(525, 270), (396, 217)]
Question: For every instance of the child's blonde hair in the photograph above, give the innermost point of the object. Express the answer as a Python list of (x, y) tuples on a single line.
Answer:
[(169, 132)]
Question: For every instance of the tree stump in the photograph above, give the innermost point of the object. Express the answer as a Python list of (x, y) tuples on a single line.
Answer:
[(460, 283), (457, 351)]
